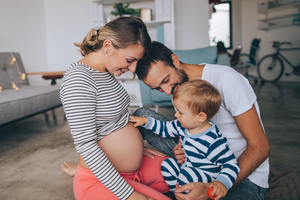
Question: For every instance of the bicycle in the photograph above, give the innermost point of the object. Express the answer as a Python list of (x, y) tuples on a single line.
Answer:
[(270, 68)]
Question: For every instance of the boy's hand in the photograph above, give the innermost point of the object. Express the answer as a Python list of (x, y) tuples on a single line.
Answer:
[(138, 121), (179, 153), (219, 189)]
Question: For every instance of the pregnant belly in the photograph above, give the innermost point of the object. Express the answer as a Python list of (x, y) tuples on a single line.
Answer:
[(124, 148)]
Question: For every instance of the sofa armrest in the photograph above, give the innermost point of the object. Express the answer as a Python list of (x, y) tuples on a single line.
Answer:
[(198, 56), (223, 59), (154, 97)]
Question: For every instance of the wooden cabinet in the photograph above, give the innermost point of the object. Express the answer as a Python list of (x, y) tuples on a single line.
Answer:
[(160, 28), (162, 15)]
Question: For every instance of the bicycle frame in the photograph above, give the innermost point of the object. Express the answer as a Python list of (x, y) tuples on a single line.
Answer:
[(266, 70), (282, 56)]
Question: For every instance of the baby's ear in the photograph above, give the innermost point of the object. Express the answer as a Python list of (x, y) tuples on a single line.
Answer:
[(202, 117)]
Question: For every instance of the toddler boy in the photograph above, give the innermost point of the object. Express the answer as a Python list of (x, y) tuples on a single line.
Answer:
[(208, 157)]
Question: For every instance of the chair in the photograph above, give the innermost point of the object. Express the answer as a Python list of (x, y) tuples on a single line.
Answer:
[(235, 58), (250, 60)]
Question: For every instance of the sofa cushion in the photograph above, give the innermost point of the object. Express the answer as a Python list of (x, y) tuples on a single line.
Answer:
[(26, 101), (223, 59), (5, 82), (198, 56), (11, 70)]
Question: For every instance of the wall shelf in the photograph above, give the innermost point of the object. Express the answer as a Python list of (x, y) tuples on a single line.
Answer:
[(162, 15), (157, 23), (280, 25), (276, 19), (294, 5), (111, 2), (279, 17)]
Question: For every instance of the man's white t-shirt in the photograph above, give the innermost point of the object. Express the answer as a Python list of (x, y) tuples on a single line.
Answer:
[(238, 97)]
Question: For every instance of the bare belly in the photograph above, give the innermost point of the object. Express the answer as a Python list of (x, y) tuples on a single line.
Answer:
[(123, 148)]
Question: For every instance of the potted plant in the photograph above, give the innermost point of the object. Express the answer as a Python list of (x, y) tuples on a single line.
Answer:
[(121, 10)]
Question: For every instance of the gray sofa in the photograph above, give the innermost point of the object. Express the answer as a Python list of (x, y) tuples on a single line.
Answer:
[(18, 99), (193, 56)]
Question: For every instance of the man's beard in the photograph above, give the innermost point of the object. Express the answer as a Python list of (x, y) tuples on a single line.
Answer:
[(182, 79)]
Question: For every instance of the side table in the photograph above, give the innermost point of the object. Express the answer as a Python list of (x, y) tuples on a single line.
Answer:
[(53, 77)]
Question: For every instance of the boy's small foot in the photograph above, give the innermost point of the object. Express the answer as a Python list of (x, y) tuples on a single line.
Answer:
[(69, 168)]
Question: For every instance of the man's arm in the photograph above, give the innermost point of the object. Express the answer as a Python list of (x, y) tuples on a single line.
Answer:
[(257, 150)]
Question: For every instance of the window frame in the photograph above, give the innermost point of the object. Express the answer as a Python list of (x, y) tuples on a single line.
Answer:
[(230, 23)]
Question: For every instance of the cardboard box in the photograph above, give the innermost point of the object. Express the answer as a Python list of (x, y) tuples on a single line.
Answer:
[(266, 5), (146, 14)]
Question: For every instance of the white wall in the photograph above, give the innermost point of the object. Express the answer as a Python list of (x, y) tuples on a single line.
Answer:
[(249, 30), (67, 21), (191, 24), (23, 30), (43, 31), (236, 23)]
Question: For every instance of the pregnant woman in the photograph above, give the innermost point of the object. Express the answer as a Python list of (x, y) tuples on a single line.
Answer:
[(111, 162)]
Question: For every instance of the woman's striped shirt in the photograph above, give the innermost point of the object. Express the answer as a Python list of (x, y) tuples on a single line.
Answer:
[(95, 104)]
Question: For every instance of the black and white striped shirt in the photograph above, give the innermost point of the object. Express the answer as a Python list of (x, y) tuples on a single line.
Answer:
[(95, 104)]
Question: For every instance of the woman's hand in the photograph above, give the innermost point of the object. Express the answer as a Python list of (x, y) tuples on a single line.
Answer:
[(151, 153), (138, 121), (138, 196), (197, 191), (179, 153)]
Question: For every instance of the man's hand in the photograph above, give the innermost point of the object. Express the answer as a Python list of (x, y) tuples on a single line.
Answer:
[(179, 153), (197, 191), (138, 121), (151, 153)]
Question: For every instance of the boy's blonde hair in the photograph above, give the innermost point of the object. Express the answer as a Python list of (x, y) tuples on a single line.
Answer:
[(199, 96)]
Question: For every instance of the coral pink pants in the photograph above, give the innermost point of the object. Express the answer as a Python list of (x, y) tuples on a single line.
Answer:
[(147, 180)]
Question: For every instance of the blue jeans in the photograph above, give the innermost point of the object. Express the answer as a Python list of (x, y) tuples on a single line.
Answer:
[(164, 144), (245, 190)]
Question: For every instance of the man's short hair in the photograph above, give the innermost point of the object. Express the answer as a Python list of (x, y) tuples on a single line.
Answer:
[(199, 96), (158, 52)]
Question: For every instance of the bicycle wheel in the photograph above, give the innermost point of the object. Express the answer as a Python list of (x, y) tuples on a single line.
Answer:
[(270, 68)]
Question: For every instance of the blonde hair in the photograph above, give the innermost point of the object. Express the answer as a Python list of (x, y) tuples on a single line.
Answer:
[(122, 31), (199, 96)]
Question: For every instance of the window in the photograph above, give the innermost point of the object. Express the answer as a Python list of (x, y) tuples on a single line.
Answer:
[(220, 26)]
